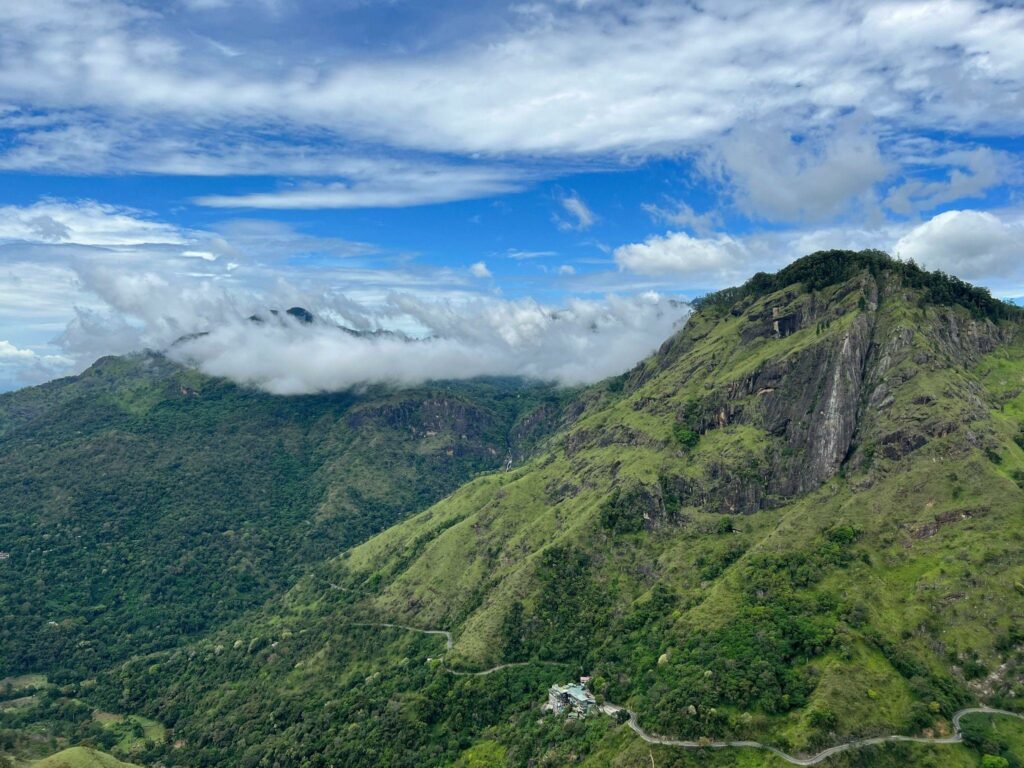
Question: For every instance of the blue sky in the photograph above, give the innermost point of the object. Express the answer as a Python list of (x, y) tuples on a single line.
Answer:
[(507, 176)]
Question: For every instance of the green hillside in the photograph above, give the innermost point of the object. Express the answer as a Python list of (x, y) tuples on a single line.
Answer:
[(142, 502), (80, 757), (799, 523)]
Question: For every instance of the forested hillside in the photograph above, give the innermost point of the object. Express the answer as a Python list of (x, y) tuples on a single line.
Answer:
[(800, 522), (142, 503)]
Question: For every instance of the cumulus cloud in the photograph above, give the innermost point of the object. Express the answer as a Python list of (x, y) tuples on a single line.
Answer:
[(579, 343), (19, 366), (706, 260), (480, 270), (579, 215), (10, 352), (980, 246), (974, 245)]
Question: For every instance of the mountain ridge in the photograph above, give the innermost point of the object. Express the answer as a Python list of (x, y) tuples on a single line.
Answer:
[(797, 523), (729, 562)]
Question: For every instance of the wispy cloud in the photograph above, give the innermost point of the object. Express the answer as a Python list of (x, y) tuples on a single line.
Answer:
[(518, 255), (768, 92), (680, 214), (384, 185), (578, 215), (83, 223)]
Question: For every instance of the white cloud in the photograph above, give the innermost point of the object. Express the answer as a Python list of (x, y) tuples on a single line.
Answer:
[(10, 352), (383, 185), (566, 269), (480, 270), (67, 299), (517, 255), (582, 342), (600, 77), (970, 174), (83, 223), (681, 214), (778, 176), (580, 215), (974, 245), (716, 259), (983, 247), (759, 87), (20, 367)]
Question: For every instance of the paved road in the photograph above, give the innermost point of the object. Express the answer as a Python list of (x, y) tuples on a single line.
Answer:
[(612, 709), (956, 738)]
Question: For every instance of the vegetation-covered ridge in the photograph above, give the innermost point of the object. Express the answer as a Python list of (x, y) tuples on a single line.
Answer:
[(798, 523), (825, 268), (142, 503)]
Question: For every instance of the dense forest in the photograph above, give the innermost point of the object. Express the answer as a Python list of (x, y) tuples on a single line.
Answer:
[(825, 268), (143, 503)]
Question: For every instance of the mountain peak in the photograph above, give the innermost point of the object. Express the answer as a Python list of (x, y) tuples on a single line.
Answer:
[(822, 269)]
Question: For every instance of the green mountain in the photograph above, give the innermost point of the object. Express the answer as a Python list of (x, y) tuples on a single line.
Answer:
[(798, 524), (142, 503)]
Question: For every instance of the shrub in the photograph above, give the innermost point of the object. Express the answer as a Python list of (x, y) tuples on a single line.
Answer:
[(685, 437)]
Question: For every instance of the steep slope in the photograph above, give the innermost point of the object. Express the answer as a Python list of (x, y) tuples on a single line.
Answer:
[(142, 502), (799, 522)]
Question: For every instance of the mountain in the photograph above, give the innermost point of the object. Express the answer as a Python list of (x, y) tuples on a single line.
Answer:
[(799, 523), (142, 503)]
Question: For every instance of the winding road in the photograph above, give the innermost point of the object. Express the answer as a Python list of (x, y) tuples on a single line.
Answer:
[(956, 738), (614, 709)]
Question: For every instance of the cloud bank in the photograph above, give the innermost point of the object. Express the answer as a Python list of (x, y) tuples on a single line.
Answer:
[(82, 279), (581, 343)]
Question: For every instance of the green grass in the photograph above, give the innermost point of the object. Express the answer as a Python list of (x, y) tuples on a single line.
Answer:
[(996, 735), (81, 757), (132, 731), (18, 683)]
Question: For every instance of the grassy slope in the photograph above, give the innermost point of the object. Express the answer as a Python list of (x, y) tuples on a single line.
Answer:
[(878, 603), (142, 502), (80, 757)]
